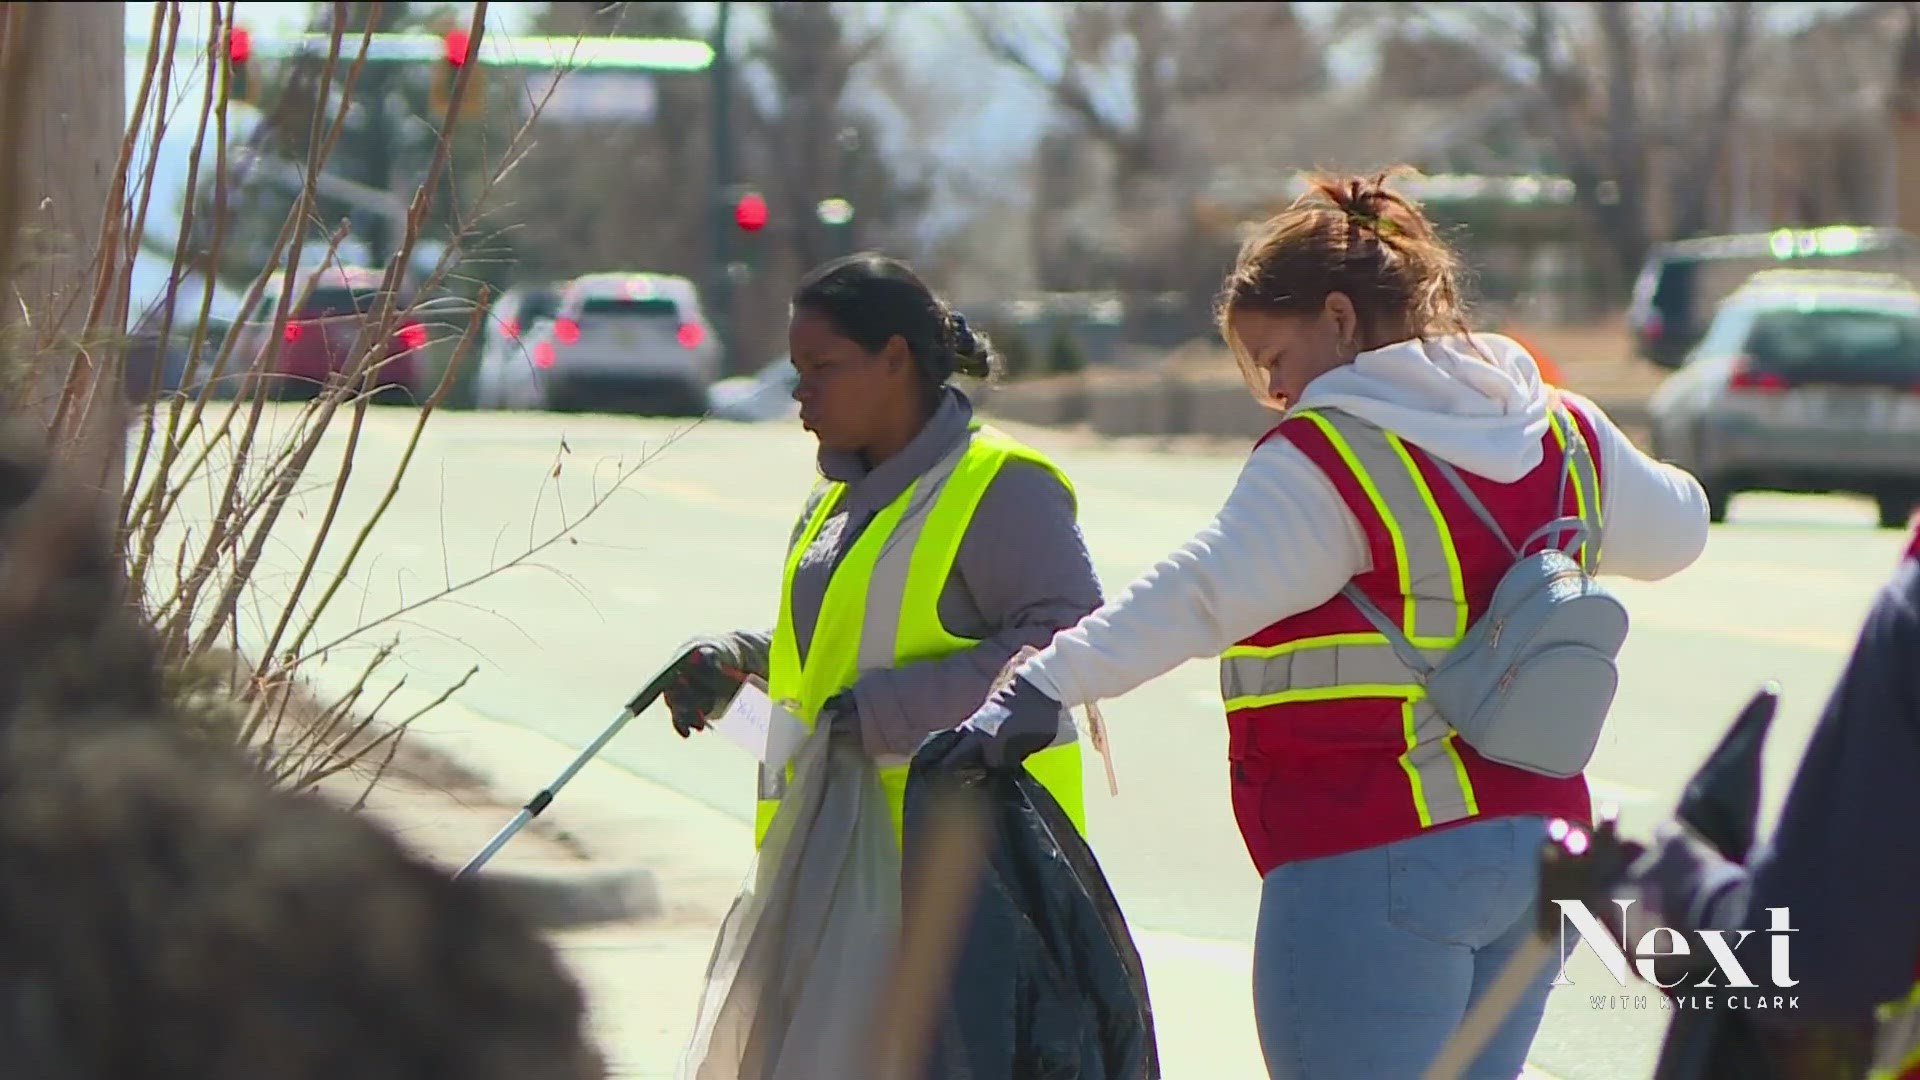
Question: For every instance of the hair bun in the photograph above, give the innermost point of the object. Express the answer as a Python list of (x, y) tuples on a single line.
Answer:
[(964, 341)]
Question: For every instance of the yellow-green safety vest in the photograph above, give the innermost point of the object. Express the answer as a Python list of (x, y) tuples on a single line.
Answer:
[(881, 610)]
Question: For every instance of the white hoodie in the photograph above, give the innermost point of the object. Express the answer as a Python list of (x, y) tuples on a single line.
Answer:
[(1285, 542)]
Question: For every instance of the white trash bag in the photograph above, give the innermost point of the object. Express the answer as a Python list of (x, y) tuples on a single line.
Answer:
[(797, 970)]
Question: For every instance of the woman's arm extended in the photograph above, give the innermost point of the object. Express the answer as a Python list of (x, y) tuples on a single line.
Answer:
[(1284, 543)]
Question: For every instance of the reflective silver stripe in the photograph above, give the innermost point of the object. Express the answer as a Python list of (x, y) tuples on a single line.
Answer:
[(1314, 667), (1410, 508), (887, 589), (1433, 621), (1442, 792)]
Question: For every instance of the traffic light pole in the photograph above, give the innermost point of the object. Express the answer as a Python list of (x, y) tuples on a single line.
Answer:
[(719, 212)]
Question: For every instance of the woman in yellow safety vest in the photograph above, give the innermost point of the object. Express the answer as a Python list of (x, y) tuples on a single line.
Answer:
[(932, 550)]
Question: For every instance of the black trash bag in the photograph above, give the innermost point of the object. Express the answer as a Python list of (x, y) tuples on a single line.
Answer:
[(1047, 983)]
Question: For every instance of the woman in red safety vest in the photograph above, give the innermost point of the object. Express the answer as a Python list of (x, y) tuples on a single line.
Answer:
[(1399, 867)]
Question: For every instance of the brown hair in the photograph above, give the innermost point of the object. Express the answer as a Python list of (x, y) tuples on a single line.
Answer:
[(1351, 235)]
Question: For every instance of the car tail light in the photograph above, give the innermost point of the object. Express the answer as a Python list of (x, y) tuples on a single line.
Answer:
[(691, 335), (293, 331), (566, 331), (510, 326), (413, 336), (543, 354), (1745, 378)]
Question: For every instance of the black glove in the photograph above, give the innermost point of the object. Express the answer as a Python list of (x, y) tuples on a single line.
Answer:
[(706, 678), (1017, 721), (841, 714)]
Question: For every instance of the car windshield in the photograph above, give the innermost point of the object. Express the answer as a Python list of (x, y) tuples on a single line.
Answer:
[(1847, 344)]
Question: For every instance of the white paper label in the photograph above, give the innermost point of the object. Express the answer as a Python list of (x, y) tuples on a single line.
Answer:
[(759, 726)]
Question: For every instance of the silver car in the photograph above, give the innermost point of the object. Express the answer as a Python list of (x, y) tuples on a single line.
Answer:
[(628, 342), (1805, 382)]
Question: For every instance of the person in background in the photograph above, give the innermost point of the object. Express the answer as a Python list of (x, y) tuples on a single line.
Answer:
[(1843, 864), (932, 551), (1399, 867)]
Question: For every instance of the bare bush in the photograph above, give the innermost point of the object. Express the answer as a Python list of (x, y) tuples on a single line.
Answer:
[(227, 440)]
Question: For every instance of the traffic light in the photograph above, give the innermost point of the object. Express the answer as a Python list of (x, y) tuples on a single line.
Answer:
[(750, 212), (459, 48), (239, 51), (456, 50)]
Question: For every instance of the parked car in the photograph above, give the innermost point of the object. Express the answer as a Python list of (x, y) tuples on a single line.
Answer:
[(1806, 382), (627, 342), (505, 377), (765, 395), (1682, 282), (318, 340)]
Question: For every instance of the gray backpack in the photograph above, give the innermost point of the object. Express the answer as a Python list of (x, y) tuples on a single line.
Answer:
[(1531, 682)]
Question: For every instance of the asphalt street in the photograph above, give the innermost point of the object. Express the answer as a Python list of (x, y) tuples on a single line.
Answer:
[(692, 542)]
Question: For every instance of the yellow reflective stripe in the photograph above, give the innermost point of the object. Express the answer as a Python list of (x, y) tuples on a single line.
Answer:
[(1456, 581), (880, 610), (1437, 775), (1324, 641), (1580, 482), (1359, 471), (1411, 733)]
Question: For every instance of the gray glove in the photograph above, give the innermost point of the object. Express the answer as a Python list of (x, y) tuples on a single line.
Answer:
[(709, 672)]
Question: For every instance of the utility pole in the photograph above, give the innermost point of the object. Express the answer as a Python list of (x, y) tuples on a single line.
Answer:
[(720, 274), (71, 119)]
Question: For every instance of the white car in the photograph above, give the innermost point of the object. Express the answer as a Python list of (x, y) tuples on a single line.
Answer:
[(1803, 382), (628, 342), (504, 378), (765, 395)]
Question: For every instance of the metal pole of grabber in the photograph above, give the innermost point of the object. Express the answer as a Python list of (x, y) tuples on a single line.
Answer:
[(1517, 977), (647, 696)]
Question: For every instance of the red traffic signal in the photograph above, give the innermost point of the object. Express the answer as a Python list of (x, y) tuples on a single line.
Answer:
[(750, 213), (239, 46), (459, 47)]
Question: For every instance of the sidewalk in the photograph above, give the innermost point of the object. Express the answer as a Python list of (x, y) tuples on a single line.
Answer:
[(676, 865)]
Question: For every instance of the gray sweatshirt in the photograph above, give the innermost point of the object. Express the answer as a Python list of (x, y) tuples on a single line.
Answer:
[(1023, 573)]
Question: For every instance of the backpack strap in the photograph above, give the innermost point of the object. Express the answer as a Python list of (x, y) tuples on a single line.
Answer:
[(1577, 529), (1579, 463), (1389, 629)]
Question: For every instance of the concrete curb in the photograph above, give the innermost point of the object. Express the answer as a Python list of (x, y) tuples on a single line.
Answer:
[(565, 901), (442, 749), (1132, 404)]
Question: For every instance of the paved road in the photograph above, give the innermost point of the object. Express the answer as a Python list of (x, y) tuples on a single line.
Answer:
[(692, 543)]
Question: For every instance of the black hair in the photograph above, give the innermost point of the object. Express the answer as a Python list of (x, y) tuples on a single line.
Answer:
[(871, 298)]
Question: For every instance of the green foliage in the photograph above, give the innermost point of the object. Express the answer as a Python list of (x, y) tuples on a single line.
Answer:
[(1016, 352)]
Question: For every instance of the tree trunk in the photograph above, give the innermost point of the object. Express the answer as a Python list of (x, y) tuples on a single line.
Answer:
[(65, 147)]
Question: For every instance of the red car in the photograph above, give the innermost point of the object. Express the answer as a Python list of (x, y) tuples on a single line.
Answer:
[(318, 340)]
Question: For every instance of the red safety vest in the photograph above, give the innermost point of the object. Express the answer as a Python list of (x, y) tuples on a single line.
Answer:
[(1332, 745)]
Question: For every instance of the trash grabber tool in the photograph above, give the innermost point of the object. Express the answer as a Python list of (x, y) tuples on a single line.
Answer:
[(647, 696)]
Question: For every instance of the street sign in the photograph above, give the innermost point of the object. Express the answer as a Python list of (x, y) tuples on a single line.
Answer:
[(632, 54)]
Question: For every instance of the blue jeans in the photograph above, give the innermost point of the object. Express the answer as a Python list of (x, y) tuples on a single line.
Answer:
[(1365, 963)]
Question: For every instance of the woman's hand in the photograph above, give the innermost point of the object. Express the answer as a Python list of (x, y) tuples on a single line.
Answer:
[(706, 677), (1017, 721)]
